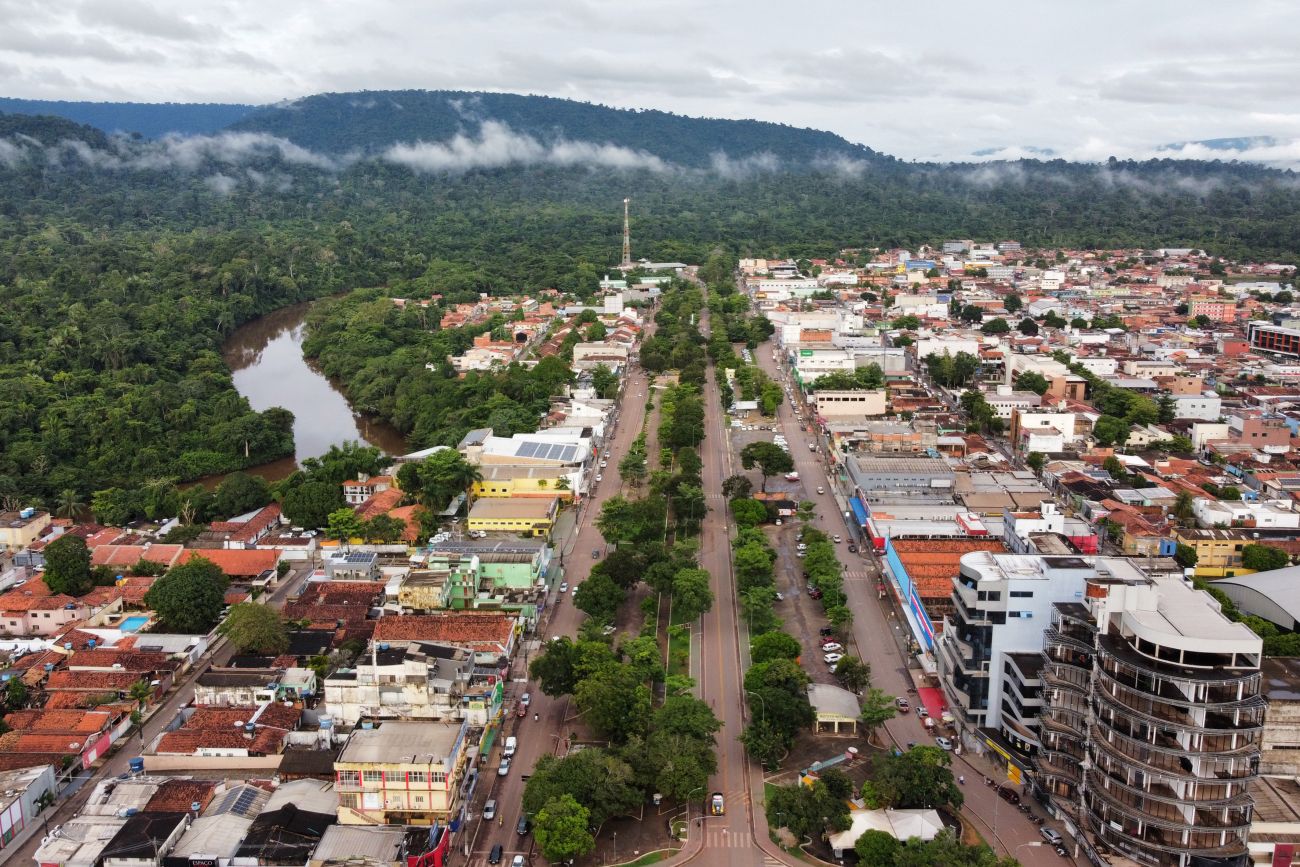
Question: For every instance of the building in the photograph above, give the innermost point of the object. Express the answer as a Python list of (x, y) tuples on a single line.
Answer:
[(1218, 552), (1280, 747), (530, 516), (1044, 432), (1206, 406), (1153, 719), (1214, 309), (901, 478), (835, 709), (22, 528), (832, 404), (1275, 339), (526, 480), (357, 491), (402, 773), (1274, 514), (23, 797), (407, 681), (999, 605)]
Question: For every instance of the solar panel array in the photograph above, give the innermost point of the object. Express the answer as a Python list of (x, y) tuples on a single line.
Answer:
[(246, 801), (546, 451)]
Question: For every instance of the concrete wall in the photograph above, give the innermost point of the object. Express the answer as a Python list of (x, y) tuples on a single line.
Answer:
[(211, 763)]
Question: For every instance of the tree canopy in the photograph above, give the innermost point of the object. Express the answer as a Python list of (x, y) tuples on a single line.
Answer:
[(189, 598)]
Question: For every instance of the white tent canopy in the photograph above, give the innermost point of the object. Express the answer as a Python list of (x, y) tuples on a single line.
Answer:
[(900, 824)]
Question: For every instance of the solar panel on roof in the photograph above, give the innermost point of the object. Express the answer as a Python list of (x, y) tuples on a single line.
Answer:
[(569, 452), (527, 450)]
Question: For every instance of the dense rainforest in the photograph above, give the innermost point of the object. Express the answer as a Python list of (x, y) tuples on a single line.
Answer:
[(124, 261)]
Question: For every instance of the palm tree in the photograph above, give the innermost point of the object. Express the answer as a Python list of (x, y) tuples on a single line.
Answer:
[(70, 503), (140, 692), (1184, 509)]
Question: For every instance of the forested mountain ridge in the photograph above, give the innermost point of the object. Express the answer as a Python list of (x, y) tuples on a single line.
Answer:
[(373, 120), (149, 119)]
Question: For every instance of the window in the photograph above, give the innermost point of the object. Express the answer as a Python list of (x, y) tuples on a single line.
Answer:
[(394, 776), (349, 800), (372, 776), (416, 777), (1022, 594), (349, 778), (990, 595), (437, 777)]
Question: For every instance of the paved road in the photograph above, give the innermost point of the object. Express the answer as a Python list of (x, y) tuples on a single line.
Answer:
[(877, 632), (718, 664), (119, 763), (548, 733)]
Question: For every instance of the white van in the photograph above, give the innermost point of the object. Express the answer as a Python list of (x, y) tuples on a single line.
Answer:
[(511, 743)]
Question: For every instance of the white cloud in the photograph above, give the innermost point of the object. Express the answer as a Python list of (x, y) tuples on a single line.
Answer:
[(11, 153), (497, 145), (743, 167), (222, 185)]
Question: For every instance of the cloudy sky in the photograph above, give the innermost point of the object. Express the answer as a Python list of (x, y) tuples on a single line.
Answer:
[(918, 80)]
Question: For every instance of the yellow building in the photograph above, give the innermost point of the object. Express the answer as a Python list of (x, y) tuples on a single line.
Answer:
[(20, 529), (523, 480), (1218, 552), (532, 515), (402, 773)]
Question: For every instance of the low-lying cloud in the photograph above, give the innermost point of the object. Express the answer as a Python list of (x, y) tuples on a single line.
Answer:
[(1264, 150), (498, 146)]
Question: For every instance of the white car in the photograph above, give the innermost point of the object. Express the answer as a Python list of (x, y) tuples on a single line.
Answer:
[(599, 477), (564, 586), (832, 647), (604, 464), (837, 539), (820, 489), (504, 769), (832, 658), (801, 554), (944, 743)]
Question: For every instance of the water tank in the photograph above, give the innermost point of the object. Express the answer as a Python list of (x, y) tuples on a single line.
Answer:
[(27, 513), (67, 645), (137, 765), (383, 646), (49, 666), (326, 722), (367, 726), (91, 643)]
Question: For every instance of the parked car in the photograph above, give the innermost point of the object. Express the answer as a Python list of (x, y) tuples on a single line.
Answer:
[(604, 464), (512, 743), (853, 549), (1052, 836), (564, 586), (921, 711), (837, 539), (792, 477), (522, 827), (815, 593), (494, 857), (944, 744), (820, 489), (595, 554), (802, 547), (526, 699), (490, 809), (504, 768), (1008, 794), (599, 477), (801, 554), (832, 658), (832, 647), (902, 704), (517, 861), (826, 630)]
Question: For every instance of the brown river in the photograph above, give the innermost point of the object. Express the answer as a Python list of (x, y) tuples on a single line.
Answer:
[(265, 356)]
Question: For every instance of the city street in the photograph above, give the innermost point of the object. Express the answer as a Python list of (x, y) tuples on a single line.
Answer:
[(549, 733), (879, 637)]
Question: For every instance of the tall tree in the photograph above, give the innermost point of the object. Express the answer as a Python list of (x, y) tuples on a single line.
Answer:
[(189, 598), (67, 566), (251, 626), (768, 457), (561, 828)]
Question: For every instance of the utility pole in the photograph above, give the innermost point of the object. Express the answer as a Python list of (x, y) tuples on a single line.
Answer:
[(627, 236)]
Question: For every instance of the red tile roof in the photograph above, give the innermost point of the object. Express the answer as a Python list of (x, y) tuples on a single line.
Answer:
[(105, 658), (91, 681), (379, 504), (219, 727), (933, 563), (178, 796), (474, 630), (268, 517), (59, 721), (235, 563), (125, 556)]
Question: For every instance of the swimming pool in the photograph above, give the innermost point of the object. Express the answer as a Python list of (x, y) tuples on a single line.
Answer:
[(133, 624)]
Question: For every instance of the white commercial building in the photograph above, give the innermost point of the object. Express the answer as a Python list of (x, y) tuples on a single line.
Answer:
[(1275, 514), (1202, 407)]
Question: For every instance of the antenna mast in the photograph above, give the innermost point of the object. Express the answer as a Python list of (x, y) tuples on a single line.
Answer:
[(627, 237)]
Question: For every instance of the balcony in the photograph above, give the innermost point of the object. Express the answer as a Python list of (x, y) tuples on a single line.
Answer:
[(1146, 709), (1058, 676), (1073, 638), (1141, 807), (1168, 757)]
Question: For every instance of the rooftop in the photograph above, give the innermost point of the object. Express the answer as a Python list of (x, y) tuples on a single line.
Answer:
[(402, 743)]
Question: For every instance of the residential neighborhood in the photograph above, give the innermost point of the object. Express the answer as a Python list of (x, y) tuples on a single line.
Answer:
[(1035, 511)]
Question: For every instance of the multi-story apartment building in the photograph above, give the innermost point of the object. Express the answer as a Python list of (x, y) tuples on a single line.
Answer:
[(1153, 718), (1000, 605), (402, 773), (407, 681), (1274, 338)]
